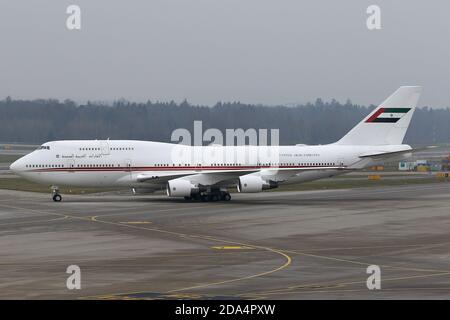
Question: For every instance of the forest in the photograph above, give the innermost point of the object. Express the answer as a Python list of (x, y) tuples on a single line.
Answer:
[(37, 121)]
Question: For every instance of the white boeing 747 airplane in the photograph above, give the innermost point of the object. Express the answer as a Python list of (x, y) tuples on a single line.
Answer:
[(149, 166)]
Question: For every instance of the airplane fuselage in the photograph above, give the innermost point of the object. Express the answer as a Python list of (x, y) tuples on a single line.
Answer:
[(118, 163)]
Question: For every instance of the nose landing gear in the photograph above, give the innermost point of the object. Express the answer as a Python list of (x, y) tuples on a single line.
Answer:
[(55, 194)]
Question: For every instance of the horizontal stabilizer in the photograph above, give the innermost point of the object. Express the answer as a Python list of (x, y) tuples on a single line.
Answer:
[(384, 155)]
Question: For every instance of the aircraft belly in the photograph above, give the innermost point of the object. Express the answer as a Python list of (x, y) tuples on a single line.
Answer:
[(78, 179), (312, 175)]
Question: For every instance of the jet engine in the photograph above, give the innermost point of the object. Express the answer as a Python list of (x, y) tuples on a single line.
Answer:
[(249, 184), (180, 188)]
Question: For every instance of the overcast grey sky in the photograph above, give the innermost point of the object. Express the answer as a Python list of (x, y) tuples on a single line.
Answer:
[(255, 51)]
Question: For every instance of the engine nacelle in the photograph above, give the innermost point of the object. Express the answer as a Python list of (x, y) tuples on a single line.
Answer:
[(180, 188), (249, 184)]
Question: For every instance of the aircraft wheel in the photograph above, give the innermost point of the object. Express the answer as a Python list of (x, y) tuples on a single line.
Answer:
[(188, 198), (57, 197), (226, 197), (204, 198), (214, 197)]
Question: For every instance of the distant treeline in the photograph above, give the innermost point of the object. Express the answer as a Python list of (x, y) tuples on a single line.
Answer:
[(321, 122)]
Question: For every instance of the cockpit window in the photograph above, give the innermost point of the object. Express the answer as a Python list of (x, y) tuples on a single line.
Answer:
[(43, 148)]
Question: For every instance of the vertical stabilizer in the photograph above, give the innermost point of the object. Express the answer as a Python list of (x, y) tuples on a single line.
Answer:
[(388, 123)]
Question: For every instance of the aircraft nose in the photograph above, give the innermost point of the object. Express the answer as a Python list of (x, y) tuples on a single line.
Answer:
[(14, 166), (17, 166)]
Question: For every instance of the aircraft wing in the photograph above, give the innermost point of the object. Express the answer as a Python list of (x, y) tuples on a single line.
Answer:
[(214, 177), (166, 176)]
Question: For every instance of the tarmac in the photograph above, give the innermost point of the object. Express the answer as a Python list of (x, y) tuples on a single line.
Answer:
[(271, 245)]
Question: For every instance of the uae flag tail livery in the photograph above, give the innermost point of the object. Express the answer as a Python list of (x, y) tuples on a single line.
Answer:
[(388, 115), (387, 124)]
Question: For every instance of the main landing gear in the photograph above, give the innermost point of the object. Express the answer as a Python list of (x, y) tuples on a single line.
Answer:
[(210, 196), (55, 194)]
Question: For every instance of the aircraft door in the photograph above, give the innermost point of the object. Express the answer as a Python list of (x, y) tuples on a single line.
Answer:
[(340, 162), (128, 166), (104, 147), (70, 164)]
